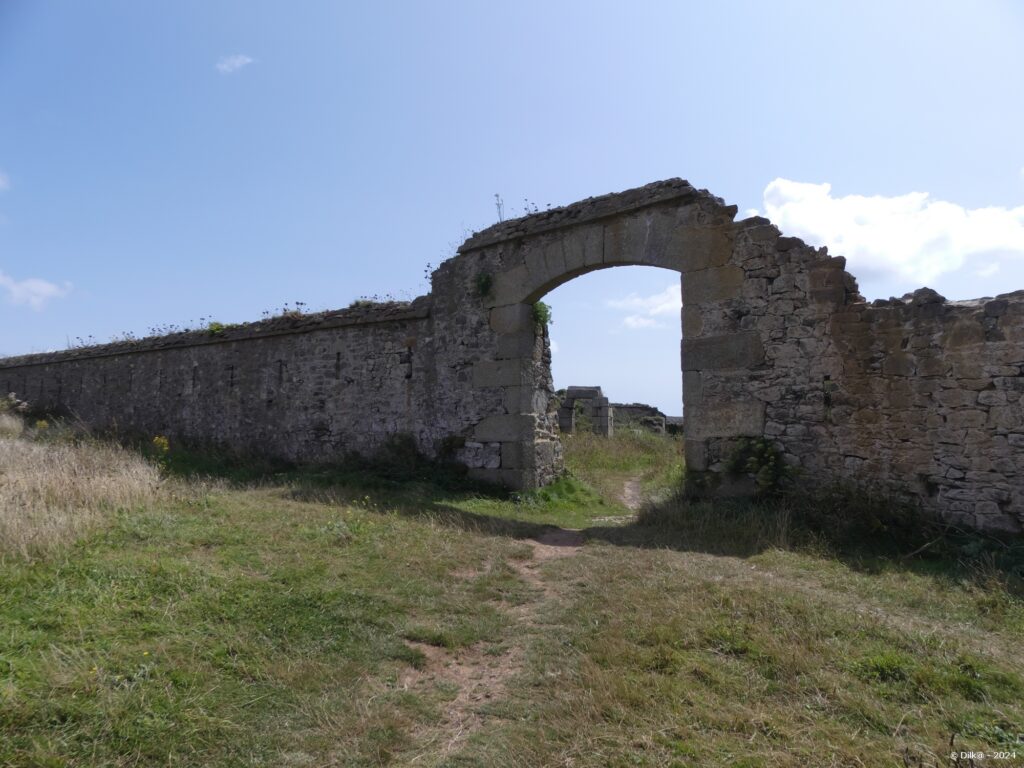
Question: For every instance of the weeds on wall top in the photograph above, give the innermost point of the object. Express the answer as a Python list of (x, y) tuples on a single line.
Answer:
[(288, 310), (529, 208), (373, 300)]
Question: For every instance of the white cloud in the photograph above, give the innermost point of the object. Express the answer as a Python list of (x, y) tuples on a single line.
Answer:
[(32, 291), (637, 322), (988, 270), (230, 64), (5, 181), (647, 309), (554, 347), (909, 237), (666, 302)]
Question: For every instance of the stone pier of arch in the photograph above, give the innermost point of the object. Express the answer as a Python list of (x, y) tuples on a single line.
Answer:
[(919, 397)]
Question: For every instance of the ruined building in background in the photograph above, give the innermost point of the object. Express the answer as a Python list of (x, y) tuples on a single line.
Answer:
[(586, 407), (640, 416), (916, 397)]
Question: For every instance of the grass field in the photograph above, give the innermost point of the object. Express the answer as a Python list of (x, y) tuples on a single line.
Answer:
[(314, 618)]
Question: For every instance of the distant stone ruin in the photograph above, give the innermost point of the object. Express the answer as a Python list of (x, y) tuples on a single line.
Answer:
[(588, 405), (918, 398), (640, 415)]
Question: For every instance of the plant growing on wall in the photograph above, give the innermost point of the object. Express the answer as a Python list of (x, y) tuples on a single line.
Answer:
[(541, 315), (764, 461), (484, 284)]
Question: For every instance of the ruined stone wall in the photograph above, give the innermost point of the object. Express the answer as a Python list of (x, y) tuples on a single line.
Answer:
[(587, 405), (920, 398), (756, 348), (305, 388), (468, 409), (932, 404), (639, 415)]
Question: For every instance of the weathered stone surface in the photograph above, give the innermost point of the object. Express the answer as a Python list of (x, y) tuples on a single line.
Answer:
[(695, 453), (735, 350), (713, 284), (501, 373), (512, 318), (505, 428), (731, 419)]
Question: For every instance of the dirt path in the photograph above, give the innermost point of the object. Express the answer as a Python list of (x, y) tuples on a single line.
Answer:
[(550, 545), (480, 676), (632, 494)]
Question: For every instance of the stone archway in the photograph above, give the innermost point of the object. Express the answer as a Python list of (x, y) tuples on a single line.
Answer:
[(724, 287)]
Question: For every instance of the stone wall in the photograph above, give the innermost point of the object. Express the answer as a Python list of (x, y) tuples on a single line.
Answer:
[(932, 403), (918, 397), (640, 415), (303, 387)]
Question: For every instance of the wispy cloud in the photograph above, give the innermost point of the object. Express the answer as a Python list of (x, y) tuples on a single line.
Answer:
[(638, 322), (645, 311), (32, 292), (5, 181), (228, 65), (911, 237)]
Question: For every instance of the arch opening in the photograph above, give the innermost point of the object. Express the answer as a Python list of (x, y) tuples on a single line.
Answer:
[(694, 243), (618, 329)]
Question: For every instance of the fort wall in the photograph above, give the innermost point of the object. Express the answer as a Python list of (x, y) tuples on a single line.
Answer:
[(918, 397)]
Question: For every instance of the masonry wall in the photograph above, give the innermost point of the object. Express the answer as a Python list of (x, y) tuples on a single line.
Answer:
[(306, 388), (919, 398), (932, 404)]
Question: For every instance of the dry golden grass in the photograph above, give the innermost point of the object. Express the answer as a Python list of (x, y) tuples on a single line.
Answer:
[(53, 492), (10, 425)]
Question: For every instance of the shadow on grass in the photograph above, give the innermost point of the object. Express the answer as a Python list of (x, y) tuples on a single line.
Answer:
[(863, 541), (867, 535)]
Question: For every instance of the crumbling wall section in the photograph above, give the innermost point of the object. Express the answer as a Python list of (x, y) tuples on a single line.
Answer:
[(931, 404)]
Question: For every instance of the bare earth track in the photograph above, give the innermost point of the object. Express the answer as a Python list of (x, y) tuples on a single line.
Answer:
[(480, 676)]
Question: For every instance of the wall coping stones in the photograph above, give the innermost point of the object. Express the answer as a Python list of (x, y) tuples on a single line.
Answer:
[(285, 325), (591, 209)]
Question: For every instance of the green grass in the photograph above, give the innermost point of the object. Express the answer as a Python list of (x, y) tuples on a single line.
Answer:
[(656, 461), (333, 617)]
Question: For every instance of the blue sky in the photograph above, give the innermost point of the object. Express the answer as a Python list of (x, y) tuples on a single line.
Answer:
[(160, 163)]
